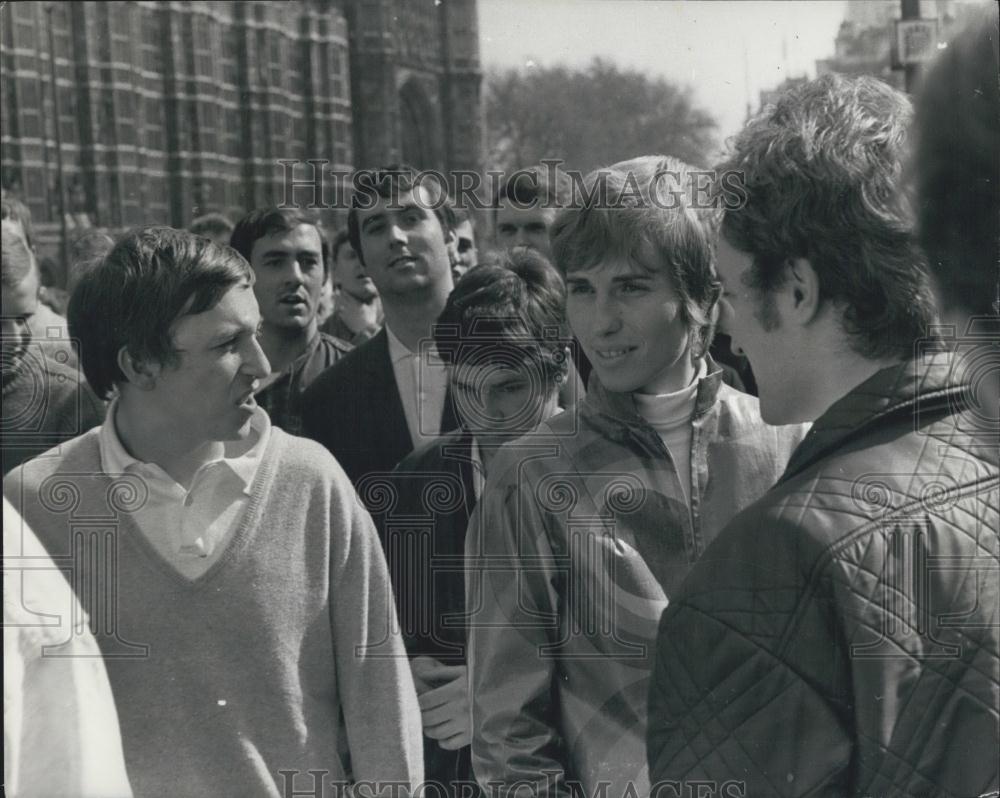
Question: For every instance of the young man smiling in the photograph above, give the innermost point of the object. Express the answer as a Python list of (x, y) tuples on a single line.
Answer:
[(840, 636), (247, 581), (587, 527), (286, 250), (390, 394)]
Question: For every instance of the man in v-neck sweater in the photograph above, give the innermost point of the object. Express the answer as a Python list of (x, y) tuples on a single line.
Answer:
[(238, 589)]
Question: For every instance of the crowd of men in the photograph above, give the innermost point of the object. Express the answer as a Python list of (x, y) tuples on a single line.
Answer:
[(664, 497)]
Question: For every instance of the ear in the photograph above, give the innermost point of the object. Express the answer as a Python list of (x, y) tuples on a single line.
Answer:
[(801, 292), (140, 373)]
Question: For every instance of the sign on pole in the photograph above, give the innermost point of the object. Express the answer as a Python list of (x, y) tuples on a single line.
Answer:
[(916, 41)]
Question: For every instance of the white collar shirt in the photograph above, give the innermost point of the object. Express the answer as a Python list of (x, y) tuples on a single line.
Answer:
[(190, 529), (422, 380)]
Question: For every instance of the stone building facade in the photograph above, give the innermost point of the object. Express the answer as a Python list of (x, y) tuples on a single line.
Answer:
[(167, 110)]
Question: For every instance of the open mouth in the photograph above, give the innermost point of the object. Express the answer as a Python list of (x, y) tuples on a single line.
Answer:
[(405, 260), (292, 300)]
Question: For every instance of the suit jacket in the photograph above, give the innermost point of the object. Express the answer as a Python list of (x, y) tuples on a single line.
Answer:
[(354, 409)]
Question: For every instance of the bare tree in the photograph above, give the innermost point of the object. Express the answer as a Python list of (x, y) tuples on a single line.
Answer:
[(591, 117)]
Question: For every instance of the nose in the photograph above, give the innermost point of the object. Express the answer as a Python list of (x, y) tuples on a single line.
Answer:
[(521, 239), (607, 318), (294, 273), (256, 364), (397, 235)]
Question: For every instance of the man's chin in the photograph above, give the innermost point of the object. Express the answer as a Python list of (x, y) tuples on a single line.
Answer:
[(364, 296), (294, 321)]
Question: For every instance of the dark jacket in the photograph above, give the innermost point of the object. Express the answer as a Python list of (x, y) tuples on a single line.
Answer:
[(581, 536), (353, 408), (840, 637), (282, 399), (46, 402), (422, 510)]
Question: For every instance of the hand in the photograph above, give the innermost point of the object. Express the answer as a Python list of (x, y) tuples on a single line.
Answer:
[(443, 694)]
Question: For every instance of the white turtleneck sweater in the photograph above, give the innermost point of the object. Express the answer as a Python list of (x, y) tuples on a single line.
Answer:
[(670, 415)]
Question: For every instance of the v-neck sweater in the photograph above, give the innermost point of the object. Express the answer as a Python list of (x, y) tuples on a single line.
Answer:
[(280, 659)]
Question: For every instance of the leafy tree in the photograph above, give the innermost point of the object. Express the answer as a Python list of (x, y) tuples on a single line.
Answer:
[(591, 118)]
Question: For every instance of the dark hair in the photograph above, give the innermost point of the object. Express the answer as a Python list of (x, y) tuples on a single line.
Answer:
[(151, 278), (658, 225), (267, 221), (211, 224), (389, 182), (338, 241), (17, 211), (510, 312), (535, 184), (17, 262), (957, 160), (821, 173)]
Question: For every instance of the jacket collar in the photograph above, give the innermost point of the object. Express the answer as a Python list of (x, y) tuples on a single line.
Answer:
[(619, 413), (924, 384)]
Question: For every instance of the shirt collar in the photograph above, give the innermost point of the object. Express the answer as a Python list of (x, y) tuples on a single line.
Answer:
[(115, 459), (671, 409), (398, 351)]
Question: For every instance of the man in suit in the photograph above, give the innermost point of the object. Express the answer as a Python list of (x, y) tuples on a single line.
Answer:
[(390, 395)]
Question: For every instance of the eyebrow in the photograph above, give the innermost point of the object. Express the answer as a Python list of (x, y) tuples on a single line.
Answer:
[(231, 331), (411, 206), (377, 217), (281, 252)]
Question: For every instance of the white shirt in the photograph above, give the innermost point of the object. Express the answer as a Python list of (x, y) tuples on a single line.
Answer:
[(422, 380), (60, 727), (190, 529)]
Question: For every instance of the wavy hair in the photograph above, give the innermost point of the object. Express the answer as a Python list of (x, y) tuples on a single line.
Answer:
[(654, 204), (821, 174)]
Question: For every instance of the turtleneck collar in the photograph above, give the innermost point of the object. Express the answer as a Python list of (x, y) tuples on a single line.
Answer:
[(667, 411)]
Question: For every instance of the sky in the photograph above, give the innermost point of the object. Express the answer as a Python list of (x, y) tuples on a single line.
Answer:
[(724, 50)]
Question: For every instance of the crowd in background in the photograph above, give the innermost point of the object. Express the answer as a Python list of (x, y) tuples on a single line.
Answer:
[(621, 498)]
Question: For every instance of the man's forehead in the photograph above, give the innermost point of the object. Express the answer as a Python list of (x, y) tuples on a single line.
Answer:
[(490, 373), (304, 236), (729, 261), (616, 265), (418, 196), (237, 309)]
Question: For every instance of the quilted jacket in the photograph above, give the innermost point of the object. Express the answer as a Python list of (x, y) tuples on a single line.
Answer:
[(579, 538), (840, 636)]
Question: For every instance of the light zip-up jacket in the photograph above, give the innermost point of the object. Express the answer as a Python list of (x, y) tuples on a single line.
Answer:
[(581, 536)]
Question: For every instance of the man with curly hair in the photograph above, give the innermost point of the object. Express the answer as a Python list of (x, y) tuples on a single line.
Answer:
[(839, 636)]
